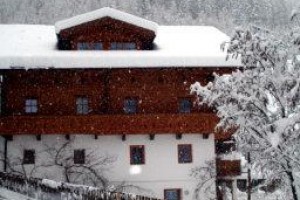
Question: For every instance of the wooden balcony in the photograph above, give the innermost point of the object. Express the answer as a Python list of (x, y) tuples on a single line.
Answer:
[(228, 168), (110, 124)]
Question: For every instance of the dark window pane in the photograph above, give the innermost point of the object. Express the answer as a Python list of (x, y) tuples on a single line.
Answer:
[(119, 45), (31, 106), (224, 146), (172, 194), (137, 155), (185, 106), (98, 46), (82, 105), (113, 46), (242, 185), (130, 106), (29, 156), (129, 46), (82, 46), (185, 153), (79, 156)]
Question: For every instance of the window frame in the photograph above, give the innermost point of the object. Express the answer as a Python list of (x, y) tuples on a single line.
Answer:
[(30, 107), (122, 46), (143, 160), (129, 111), (79, 156), (28, 157), (190, 154), (89, 46), (178, 190), (82, 105)]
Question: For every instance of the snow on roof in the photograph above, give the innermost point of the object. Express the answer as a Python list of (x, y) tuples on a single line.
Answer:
[(34, 46), (105, 12)]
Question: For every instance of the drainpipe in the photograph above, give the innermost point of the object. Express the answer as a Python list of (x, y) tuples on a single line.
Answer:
[(5, 154)]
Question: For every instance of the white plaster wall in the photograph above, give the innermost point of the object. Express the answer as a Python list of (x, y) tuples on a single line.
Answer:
[(160, 171)]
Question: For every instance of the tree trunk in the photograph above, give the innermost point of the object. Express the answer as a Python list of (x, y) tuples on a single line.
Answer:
[(293, 187)]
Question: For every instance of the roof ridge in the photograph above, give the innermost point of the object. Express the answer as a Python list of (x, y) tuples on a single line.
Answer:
[(105, 12)]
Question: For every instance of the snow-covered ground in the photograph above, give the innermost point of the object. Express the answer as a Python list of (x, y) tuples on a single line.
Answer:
[(9, 195)]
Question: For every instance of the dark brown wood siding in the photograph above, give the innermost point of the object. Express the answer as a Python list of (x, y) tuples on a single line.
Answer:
[(157, 90), (107, 30)]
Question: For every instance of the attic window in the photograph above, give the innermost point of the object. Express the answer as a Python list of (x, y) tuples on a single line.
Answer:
[(89, 46), (122, 46)]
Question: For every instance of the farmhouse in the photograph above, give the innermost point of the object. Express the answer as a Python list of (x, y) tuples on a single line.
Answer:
[(110, 86)]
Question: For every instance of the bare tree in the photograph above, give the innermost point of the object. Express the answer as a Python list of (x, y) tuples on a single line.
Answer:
[(90, 171), (206, 176)]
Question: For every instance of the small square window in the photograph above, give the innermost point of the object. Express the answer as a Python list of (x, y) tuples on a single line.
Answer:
[(82, 105), (98, 46), (122, 46), (79, 156), (113, 46), (130, 105), (185, 153), (82, 46), (137, 155), (31, 105), (172, 194), (129, 46), (29, 156), (185, 105), (119, 45)]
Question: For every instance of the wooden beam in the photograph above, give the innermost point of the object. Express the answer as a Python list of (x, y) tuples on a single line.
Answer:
[(67, 137), (205, 135), (8, 137), (38, 137), (123, 137), (151, 136), (178, 136)]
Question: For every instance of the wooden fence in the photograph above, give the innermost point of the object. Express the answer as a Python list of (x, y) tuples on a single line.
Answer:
[(44, 189)]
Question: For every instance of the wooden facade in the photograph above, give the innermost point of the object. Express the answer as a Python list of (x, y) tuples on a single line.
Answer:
[(157, 90), (106, 30)]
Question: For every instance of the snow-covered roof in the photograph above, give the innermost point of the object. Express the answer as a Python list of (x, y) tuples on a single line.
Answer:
[(105, 12), (34, 46)]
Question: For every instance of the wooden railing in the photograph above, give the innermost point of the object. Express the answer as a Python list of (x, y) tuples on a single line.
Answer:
[(44, 189), (228, 168), (110, 124)]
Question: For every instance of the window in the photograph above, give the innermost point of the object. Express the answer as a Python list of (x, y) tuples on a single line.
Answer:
[(137, 155), (82, 105), (79, 156), (185, 153), (122, 46), (130, 105), (185, 105), (223, 147), (242, 185), (31, 105), (89, 46), (172, 194), (28, 156)]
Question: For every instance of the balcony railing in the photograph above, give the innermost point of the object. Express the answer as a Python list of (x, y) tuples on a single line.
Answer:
[(110, 124), (228, 168)]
